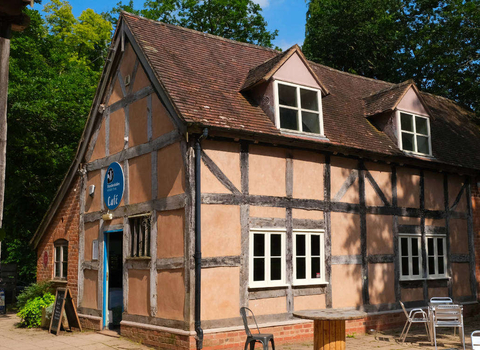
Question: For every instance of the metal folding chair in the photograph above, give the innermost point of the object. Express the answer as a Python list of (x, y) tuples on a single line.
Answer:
[(415, 316), (475, 336), (448, 315), (253, 338)]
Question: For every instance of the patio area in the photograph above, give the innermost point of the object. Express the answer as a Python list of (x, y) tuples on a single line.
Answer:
[(417, 339)]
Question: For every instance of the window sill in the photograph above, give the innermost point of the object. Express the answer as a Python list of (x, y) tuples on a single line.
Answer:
[(418, 155), (423, 279), (412, 279), (438, 278), (138, 258), (310, 135), (309, 284), (268, 286), (59, 280)]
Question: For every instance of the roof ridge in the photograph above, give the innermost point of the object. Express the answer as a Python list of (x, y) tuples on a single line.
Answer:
[(173, 26), (406, 83), (350, 74)]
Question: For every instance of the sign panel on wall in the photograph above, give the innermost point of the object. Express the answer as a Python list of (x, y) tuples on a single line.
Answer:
[(113, 186)]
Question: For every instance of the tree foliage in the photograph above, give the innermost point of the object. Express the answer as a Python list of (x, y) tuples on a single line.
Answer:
[(436, 43), (55, 65), (239, 20)]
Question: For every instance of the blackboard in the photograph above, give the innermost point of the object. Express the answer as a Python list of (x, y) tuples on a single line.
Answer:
[(64, 302), (57, 312)]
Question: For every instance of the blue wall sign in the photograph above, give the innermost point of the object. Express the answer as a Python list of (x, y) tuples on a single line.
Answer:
[(113, 186), (3, 305)]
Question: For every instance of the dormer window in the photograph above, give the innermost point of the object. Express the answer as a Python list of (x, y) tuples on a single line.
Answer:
[(298, 108), (414, 133)]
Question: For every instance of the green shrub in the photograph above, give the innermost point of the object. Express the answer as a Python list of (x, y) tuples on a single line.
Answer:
[(31, 292), (31, 313)]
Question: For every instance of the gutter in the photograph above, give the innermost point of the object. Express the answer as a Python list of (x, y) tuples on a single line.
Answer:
[(198, 240)]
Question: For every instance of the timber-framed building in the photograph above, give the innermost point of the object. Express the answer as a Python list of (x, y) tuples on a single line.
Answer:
[(307, 187)]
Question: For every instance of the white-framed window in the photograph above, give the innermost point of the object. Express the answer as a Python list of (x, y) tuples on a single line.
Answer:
[(410, 256), (60, 267), (414, 133), (298, 108), (309, 257), (140, 231), (267, 257), (436, 256)]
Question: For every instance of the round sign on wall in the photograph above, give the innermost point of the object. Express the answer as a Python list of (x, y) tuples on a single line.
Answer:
[(113, 186)]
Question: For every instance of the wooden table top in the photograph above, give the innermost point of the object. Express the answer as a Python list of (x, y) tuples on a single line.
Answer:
[(330, 314)]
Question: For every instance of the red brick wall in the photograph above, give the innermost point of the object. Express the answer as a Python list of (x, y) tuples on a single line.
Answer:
[(63, 226)]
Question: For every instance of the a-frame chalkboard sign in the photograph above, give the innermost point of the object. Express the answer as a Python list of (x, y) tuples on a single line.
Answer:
[(64, 302)]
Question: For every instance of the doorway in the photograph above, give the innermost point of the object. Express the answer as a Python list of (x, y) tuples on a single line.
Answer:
[(113, 280)]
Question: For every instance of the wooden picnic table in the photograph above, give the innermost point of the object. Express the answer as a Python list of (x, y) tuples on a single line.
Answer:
[(329, 326)]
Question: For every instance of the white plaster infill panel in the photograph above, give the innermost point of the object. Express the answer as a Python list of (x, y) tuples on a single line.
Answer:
[(294, 71)]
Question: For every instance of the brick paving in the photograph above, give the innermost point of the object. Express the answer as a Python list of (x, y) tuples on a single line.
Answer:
[(33, 339), (12, 337)]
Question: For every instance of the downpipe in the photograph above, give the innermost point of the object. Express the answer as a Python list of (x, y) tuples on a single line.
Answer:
[(198, 240)]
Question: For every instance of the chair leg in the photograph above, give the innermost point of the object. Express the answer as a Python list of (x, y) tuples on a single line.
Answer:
[(273, 344), (408, 329), (252, 344), (435, 336), (246, 344), (265, 345), (463, 337), (428, 331), (403, 331)]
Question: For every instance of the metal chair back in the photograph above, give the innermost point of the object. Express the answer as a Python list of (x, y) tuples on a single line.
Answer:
[(243, 313), (448, 316), (404, 310), (441, 300), (475, 336)]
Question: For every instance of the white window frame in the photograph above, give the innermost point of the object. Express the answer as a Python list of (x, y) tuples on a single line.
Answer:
[(410, 276), (299, 108), (268, 282), (435, 255), (308, 255), (414, 133), (62, 245)]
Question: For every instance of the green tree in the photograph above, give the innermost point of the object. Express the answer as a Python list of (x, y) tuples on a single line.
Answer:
[(55, 66), (434, 42), (239, 20)]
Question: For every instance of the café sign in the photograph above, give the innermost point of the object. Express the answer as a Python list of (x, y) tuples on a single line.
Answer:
[(113, 186)]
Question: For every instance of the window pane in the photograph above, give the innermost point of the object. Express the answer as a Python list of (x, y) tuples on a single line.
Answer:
[(414, 246), (415, 266), (422, 144), (275, 245), (301, 268), (406, 121), (421, 126), (441, 267), (65, 270), (315, 241), (57, 269), (405, 266), (407, 141), (300, 241), (58, 255), (310, 122), (316, 268), (258, 245), (287, 95), (288, 119), (275, 269), (431, 265), (309, 99), (440, 246), (65, 253), (430, 250), (404, 246), (259, 269)]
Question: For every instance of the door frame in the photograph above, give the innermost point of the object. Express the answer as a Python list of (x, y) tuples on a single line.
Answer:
[(106, 242)]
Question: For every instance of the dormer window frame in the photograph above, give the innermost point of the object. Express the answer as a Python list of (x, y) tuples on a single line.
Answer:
[(414, 132), (299, 108)]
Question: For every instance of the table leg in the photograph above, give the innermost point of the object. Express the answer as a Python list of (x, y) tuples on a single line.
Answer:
[(329, 335)]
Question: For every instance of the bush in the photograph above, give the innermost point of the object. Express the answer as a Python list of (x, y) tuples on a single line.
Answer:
[(31, 292), (31, 313)]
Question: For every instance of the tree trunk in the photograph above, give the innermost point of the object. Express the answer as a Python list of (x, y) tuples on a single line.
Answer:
[(4, 58)]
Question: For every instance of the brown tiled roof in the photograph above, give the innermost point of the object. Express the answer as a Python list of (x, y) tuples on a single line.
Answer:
[(204, 74), (386, 99)]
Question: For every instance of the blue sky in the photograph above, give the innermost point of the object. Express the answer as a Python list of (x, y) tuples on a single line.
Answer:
[(288, 16)]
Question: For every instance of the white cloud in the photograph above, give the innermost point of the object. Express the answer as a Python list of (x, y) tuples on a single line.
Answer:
[(262, 3)]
